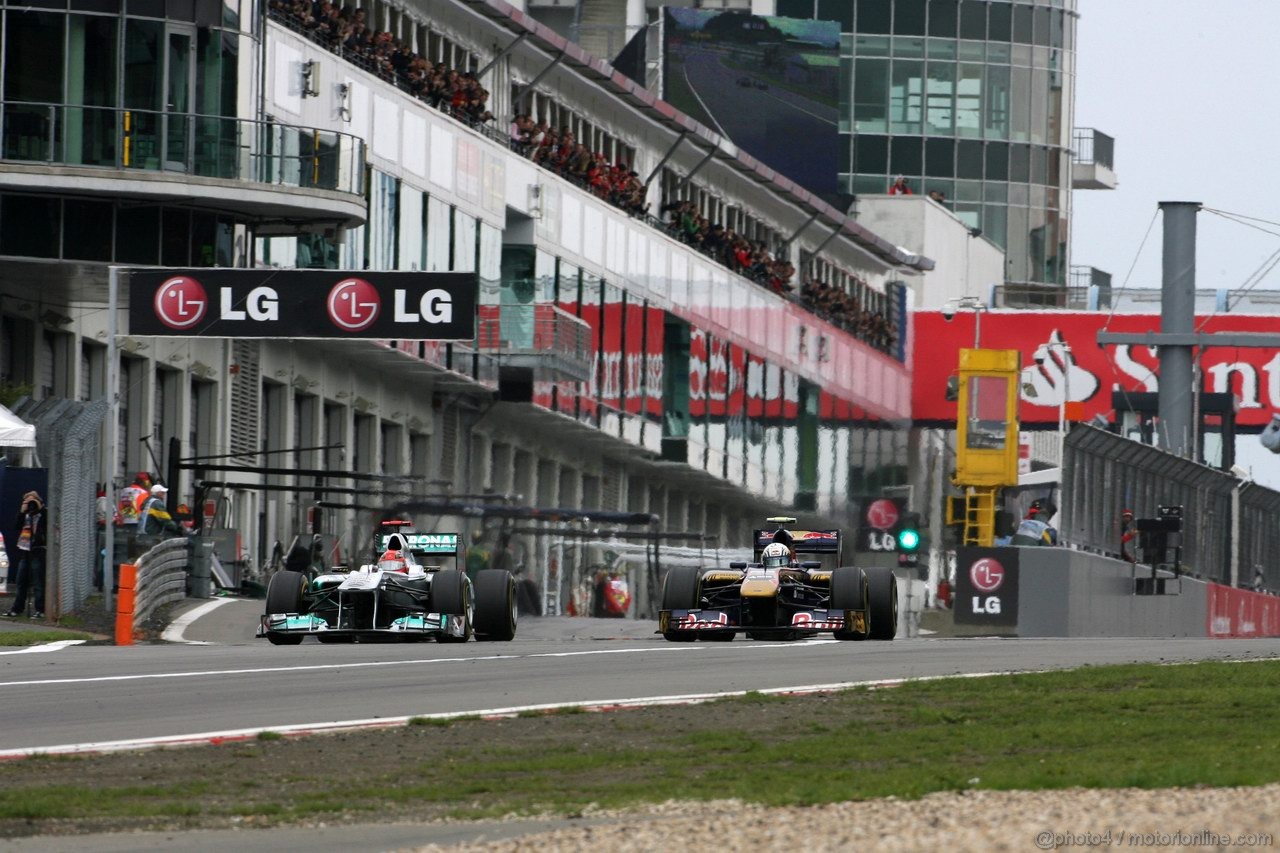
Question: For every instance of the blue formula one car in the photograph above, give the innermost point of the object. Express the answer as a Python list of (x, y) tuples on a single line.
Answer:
[(404, 594), (780, 597)]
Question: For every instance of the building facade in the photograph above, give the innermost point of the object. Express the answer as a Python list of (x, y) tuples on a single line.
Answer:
[(618, 363)]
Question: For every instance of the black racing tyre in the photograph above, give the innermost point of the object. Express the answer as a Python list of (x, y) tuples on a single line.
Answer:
[(496, 606), (451, 595), (284, 595), (849, 592), (718, 636), (680, 592), (882, 591)]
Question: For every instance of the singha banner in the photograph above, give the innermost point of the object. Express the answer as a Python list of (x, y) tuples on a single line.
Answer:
[(1061, 358), (252, 303)]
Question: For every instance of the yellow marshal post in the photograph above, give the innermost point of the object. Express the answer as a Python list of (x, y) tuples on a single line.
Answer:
[(986, 436)]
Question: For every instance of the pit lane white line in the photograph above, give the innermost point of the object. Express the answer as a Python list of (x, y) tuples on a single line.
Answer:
[(371, 664), (176, 631), (44, 647), (298, 730)]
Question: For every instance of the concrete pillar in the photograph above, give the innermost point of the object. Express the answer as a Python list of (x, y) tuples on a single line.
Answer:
[(677, 518), (502, 467), (637, 494), (548, 484), (480, 463), (570, 487), (525, 476)]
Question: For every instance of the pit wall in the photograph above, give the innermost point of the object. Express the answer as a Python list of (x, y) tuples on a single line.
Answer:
[(1057, 592)]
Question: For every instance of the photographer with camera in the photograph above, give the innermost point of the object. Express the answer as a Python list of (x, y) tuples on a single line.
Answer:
[(30, 524)]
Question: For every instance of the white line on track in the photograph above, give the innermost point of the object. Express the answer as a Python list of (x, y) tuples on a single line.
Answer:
[(176, 631), (44, 647), (214, 673)]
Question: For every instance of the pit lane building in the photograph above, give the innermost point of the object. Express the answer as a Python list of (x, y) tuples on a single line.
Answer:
[(615, 366)]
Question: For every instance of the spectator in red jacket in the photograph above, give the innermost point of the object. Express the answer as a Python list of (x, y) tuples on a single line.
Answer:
[(900, 187)]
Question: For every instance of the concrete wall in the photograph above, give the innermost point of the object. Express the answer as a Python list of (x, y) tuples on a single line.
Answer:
[(1063, 593)]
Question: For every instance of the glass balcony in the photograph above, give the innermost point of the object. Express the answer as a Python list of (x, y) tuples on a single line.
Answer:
[(233, 149), (540, 336), (1093, 160)]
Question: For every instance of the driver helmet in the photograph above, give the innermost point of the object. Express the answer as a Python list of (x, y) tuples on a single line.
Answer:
[(776, 556), (392, 561)]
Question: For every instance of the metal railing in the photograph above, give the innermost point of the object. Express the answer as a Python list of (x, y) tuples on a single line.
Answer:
[(204, 146), (1108, 473), (162, 577), (1093, 146), (560, 340)]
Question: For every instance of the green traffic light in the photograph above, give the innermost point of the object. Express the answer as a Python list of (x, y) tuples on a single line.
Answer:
[(908, 540)]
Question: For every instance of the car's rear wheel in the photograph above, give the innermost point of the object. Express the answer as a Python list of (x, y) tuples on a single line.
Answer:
[(285, 595), (451, 596), (680, 592), (882, 596), (849, 592), (496, 610)]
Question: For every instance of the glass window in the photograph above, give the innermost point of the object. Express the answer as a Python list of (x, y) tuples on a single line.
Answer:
[(143, 64), (939, 157), (940, 112), (1000, 22), (909, 18), (995, 224), (1042, 25), (968, 190), (180, 10), (943, 18), (1039, 105), (969, 101), (873, 17), (969, 159), (230, 62), (973, 20), (138, 235), (870, 154), (208, 13), (1020, 105), (490, 252), (835, 10), (908, 47), (907, 156), (942, 48), (871, 96), (439, 235), (1023, 24), (996, 191), (204, 239), (88, 229), (944, 187), (175, 236), (988, 413), (1018, 194), (1020, 163), (974, 50), (91, 62), (33, 57), (905, 96), (383, 221), (871, 45), (409, 231), (996, 102), (796, 8), (465, 242), (30, 225), (997, 161), (1039, 166), (999, 52)]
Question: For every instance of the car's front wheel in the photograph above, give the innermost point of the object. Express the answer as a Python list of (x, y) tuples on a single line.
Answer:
[(285, 594), (849, 593), (495, 605), (451, 596)]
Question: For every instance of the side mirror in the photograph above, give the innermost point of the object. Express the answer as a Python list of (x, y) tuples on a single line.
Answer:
[(737, 565)]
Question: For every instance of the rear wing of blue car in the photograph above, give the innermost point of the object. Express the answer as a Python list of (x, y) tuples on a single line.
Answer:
[(801, 541)]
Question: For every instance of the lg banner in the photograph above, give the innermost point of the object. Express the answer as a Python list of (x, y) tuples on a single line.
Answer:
[(987, 587), (230, 303), (1061, 357)]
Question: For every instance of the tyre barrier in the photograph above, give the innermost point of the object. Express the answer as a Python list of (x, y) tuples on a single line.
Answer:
[(156, 578)]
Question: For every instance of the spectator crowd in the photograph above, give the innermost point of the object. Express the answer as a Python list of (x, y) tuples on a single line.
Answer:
[(748, 258), (842, 309), (563, 154)]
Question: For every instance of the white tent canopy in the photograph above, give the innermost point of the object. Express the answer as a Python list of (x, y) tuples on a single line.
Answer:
[(14, 431)]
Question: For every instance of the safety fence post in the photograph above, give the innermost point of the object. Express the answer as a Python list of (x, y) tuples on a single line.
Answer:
[(124, 604)]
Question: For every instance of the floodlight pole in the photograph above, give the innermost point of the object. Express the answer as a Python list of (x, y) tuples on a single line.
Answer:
[(113, 423)]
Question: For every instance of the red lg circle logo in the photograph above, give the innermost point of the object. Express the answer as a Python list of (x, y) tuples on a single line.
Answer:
[(181, 302), (354, 304), (986, 575), (882, 514)]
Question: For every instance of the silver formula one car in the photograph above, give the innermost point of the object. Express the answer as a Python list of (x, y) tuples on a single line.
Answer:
[(399, 596)]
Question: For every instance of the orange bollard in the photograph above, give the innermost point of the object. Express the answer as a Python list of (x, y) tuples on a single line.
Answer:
[(128, 580)]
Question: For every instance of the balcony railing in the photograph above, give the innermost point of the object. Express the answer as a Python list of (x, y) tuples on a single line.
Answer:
[(1090, 290), (537, 336), (1093, 146), (203, 146)]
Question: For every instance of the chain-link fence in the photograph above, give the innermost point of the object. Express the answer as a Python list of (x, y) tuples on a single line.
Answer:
[(1107, 474), (67, 441)]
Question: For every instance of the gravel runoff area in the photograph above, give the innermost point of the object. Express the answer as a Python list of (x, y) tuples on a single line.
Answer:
[(978, 820)]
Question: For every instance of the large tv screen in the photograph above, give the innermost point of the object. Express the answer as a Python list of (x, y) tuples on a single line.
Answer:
[(771, 85)]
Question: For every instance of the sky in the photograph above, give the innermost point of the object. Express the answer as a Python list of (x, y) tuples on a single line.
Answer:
[(1188, 89)]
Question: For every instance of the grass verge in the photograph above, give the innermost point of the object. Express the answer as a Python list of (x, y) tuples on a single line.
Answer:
[(1123, 726), (35, 638)]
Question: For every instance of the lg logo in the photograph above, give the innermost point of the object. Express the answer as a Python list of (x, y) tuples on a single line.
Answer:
[(986, 575), (181, 302), (354, 304)]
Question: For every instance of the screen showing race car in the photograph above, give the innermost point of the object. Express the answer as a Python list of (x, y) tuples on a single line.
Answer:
[(763, 82)]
